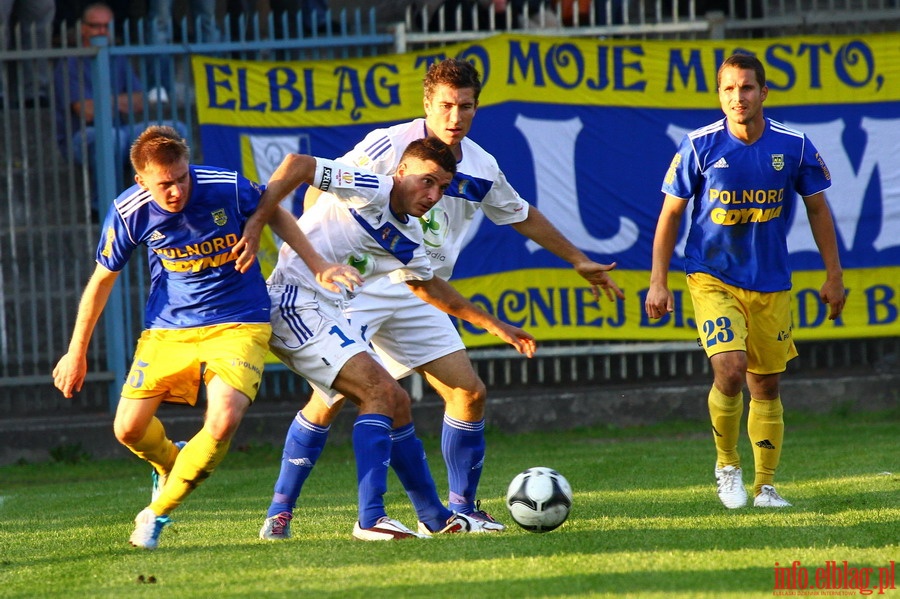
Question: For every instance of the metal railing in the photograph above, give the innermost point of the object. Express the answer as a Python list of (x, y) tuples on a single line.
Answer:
[(48, 231)]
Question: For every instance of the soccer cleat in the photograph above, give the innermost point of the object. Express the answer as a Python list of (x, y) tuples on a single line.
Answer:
[(147, 528), (730, 487), (386, 529), (485, 520), (277, 527), (455, 524), (769, 497), (159, 480)]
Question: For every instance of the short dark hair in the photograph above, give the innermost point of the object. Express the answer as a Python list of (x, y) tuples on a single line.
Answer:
[(454, 73), (158, 144), (744, 61), (433, 149)]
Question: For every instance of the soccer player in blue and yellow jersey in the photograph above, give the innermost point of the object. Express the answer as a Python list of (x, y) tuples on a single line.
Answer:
[(207, 314), (744, 173)]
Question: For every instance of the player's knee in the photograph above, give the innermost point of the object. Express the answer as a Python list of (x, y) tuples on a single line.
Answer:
[(730, 372), (221, 424), (317, 412), (392, 399), (472, 396), (128, 433)]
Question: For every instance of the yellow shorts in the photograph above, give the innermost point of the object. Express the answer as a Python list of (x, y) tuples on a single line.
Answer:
[(733, 319), (171, 362)]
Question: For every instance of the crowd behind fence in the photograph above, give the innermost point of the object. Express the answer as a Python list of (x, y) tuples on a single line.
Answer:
[(49, 224)]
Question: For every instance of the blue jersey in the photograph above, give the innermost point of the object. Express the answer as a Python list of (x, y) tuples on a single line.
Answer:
[(193, 281), (744, 197)]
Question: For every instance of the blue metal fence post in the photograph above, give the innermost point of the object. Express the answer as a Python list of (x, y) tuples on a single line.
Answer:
[(106, 159)]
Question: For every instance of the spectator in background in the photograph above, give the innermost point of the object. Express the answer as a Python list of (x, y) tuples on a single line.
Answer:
[(34, 18), (235, 9), (74, 90), (523, 14), (314, 16), (162, 25)]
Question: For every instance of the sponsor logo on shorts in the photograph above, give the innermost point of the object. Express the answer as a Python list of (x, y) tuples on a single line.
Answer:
[(245, 364)]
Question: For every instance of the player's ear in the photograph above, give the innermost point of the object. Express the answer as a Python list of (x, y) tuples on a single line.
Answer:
[(140, 180)]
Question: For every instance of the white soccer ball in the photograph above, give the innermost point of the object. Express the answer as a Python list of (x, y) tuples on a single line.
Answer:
[(539, 499)]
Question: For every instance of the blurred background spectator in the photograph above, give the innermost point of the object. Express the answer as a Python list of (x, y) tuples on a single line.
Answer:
[(33, 20), (73, 85)]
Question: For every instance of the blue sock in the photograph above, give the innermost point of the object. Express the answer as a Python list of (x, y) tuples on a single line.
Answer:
[(302, 447), (462, 444), (372, 447), (411, 466)]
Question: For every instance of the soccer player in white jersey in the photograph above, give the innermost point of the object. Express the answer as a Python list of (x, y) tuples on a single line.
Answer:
[(744, 173), (207, 315), (408, 333), (369, 220)]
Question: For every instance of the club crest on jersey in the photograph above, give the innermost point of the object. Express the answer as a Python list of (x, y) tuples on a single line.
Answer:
[(778, 161), (463, 183), (219, 217)]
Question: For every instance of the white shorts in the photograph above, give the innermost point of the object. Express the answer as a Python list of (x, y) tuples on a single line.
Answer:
[(405, 331), (313, 339)]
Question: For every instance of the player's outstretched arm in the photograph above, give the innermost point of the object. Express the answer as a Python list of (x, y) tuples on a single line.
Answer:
[(440, 294), (539, 229), (293, 170), (329, 275), (69, 373)]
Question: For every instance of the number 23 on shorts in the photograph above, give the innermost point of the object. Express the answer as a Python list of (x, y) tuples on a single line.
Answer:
[(717, 331)]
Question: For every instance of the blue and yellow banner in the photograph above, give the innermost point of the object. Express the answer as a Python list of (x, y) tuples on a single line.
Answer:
[(585, 129)]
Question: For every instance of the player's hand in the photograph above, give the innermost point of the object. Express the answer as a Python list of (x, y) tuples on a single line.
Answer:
[(596, 274), (333, 276), (834, 294), (520, 339), (659, 301), (248, 245), (69, 373)]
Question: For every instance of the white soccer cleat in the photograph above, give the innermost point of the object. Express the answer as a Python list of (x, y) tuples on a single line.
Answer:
[(277, 527), (769, 497), (485, 521), (386, 529), (457, 523), (147, 527), (730, 487)]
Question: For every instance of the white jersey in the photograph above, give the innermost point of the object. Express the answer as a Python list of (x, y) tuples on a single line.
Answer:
[(352, 223), (478, 184)]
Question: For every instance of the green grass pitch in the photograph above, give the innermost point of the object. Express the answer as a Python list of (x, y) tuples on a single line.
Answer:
[(645, 522)]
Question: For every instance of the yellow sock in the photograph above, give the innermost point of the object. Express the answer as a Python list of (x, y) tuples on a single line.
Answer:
[(765, 425), (725, 413), (156, 448), (194, 463)]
